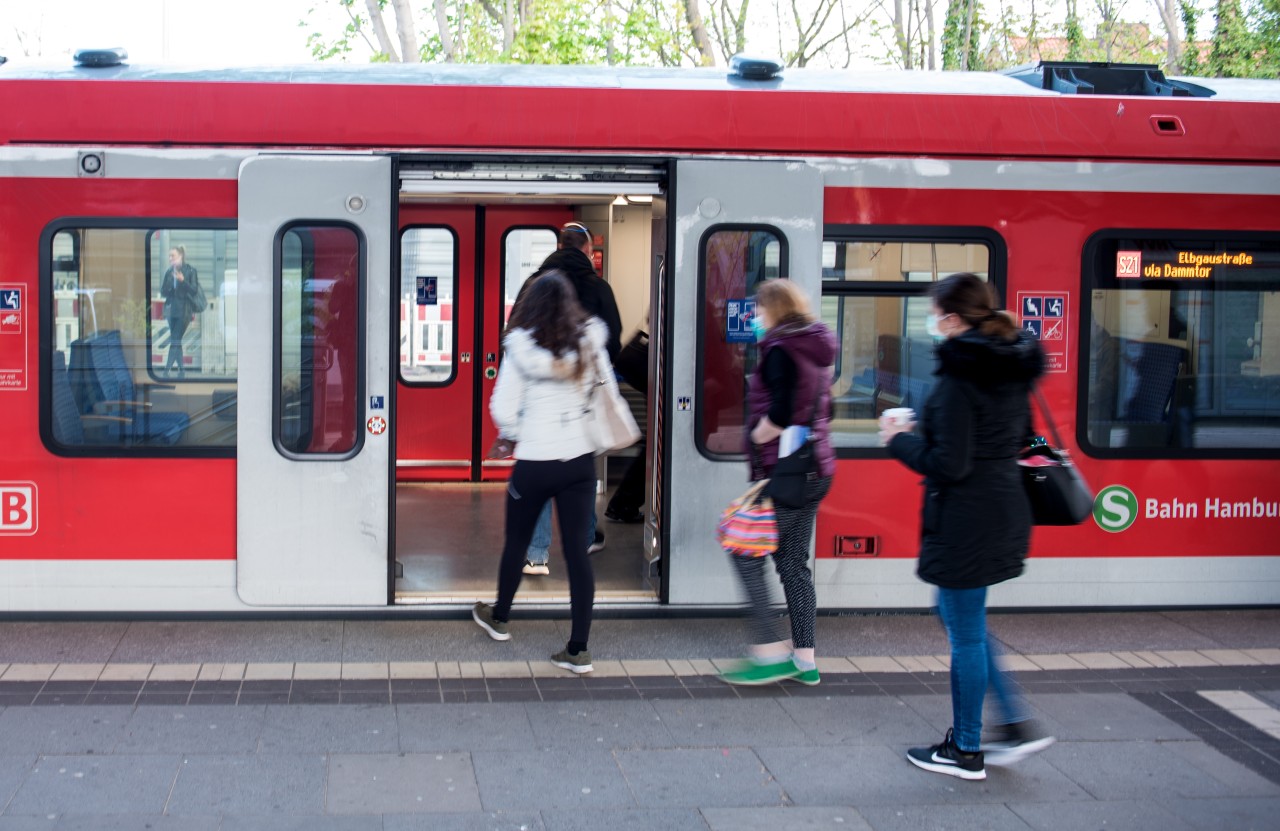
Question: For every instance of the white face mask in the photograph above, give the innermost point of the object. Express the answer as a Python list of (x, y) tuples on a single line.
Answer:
[(931, 326)]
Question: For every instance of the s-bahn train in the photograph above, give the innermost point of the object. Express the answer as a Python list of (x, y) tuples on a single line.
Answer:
[(312, 433)]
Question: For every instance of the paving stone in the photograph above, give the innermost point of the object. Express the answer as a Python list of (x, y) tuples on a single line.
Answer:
[(621, 819), (330, 728), (96, 785), (520, 781), (598, 725), (463, 727), (1105, 717), (62, 642), (791, 818), (136, 822), (14, 770), (240, 822), (492, 821), (255, 785), (857, 720), (723, 777), (878, 775), (1130, 815), (401, 783), (708, 722), (63, 730), (28, 823), (1237, 814), (1150, 770), (193, 729), (919, 817)]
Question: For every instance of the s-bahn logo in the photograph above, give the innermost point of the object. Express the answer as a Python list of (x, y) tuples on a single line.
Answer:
[(1115, 508), (17, 508)]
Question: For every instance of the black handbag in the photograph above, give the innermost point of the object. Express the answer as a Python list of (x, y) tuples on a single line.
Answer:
[(792, 473), (1057, 492), (632, 362)]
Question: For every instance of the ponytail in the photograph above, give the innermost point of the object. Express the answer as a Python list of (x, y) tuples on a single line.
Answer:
[(974, 301)]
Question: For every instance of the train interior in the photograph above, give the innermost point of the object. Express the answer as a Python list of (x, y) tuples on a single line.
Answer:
[(449, 514)]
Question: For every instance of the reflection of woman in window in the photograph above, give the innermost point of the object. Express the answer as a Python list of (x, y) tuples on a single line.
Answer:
[(178, 288)]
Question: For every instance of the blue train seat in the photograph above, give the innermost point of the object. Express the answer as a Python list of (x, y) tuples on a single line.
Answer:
[(102, 384)]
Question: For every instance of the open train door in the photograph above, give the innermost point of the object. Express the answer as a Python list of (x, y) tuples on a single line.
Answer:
[(314, 444), (735, 224)]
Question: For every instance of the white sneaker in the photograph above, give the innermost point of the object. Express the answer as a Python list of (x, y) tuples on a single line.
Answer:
[(539, 569), (597, 545)]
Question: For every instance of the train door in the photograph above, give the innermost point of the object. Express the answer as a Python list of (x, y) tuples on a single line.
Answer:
[(460, 269), (313, 448), (736, 224)]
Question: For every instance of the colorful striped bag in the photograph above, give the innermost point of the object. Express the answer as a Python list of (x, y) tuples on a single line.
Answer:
[(749, 526)]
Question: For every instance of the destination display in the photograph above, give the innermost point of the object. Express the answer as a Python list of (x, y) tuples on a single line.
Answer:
[(1177, 264)]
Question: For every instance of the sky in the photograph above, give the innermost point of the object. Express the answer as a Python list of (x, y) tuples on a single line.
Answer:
[(217, 32), (198, 32)]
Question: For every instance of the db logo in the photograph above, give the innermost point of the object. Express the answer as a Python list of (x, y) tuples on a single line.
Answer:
[(17, 508)]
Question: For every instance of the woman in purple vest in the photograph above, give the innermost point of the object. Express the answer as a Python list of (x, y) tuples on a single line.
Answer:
[(790, 387)]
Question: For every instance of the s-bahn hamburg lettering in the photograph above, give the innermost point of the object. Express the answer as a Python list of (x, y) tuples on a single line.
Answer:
[(1211, 508)]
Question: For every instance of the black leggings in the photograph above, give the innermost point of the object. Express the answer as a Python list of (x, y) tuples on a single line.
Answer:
[(573, 486), (177, 330), (795, 527)]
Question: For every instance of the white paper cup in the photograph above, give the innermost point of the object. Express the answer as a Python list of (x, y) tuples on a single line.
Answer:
[(900, 416)]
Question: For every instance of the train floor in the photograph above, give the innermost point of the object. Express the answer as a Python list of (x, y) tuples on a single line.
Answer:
[(449, 540)]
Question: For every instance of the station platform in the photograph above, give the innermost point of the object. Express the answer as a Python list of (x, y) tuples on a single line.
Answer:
[(1164, 720)]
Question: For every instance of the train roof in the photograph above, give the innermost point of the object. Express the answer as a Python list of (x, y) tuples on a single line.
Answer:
[(595, 77)]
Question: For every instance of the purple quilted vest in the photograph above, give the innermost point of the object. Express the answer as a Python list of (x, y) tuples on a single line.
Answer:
[(812, 347)]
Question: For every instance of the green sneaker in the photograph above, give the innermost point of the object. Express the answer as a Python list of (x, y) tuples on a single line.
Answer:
[(808, 676), (751, 674), (576, 664), (482, 614)]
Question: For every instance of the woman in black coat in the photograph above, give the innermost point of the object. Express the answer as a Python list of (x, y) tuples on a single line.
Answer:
[(976, 523), (179, 289)]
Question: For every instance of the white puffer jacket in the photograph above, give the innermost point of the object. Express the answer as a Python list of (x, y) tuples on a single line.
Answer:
[(538, 403)]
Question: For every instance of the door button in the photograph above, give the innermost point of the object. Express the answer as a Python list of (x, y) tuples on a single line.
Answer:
[(490, 372)]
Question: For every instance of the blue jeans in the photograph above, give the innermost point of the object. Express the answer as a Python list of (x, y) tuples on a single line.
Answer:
[(973, 665), (540, 546)]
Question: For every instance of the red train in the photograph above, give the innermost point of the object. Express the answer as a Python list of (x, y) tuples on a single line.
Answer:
[(314, 436)]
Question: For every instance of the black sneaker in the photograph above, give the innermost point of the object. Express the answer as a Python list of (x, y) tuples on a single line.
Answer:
[(627, 515), (949, 759), (1011, 743), (597, 546)]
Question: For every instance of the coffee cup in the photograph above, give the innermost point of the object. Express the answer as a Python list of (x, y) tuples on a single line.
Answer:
[(899, 416)]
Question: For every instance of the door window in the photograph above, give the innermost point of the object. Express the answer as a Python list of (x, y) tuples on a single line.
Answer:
[(320, 340), (734, 262), (428, 285)]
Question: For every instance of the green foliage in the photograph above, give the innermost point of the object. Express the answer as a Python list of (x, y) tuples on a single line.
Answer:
[(1266, 20), (954, 55), (1233, 43), (1190, 49)]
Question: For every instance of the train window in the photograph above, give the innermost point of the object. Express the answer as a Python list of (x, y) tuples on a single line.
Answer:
[(428, 284), (119, 380), (734, 262), (523, 250), (874, 298), (319, 309), (1182, 345)]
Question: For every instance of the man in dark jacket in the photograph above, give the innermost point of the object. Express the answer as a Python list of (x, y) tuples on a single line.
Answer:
[(573, 260)]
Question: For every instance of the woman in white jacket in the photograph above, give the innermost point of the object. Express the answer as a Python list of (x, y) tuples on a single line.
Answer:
[(551, 359)]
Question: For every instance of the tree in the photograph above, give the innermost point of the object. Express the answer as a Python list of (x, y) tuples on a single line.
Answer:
[(1268, 38), (962, 35), (1233, 44), (1190, 59), (1169, 16), (1075, 33)]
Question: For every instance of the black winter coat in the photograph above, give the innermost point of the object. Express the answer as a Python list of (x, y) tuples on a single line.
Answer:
[(595, 295), (976, 521)]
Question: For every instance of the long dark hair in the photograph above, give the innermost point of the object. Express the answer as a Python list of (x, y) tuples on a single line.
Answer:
[(551, 313), (974, 301)]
